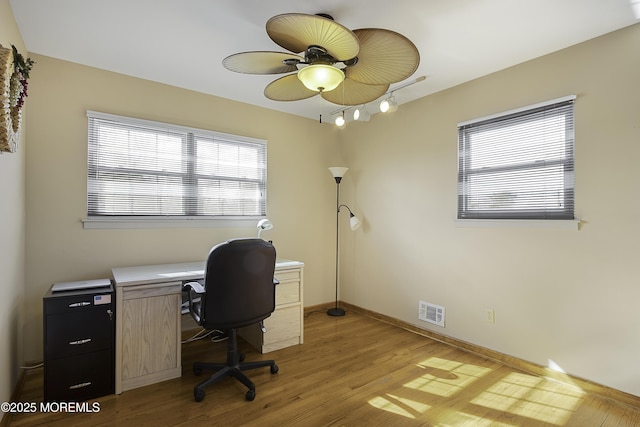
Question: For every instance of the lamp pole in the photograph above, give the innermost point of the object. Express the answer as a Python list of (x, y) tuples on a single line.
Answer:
[(336, 311), (354, 222), (338, 173)]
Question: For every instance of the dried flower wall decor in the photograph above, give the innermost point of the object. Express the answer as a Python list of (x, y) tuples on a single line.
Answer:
[(14, 72)]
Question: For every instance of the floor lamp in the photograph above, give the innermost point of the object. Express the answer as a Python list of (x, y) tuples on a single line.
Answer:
[(338, 173)]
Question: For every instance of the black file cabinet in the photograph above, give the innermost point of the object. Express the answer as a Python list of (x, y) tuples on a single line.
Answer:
[(79, 336)]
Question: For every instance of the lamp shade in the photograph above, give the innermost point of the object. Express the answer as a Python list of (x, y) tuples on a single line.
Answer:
[(264, 224), (321, 77), (338, 171), (354, 222)]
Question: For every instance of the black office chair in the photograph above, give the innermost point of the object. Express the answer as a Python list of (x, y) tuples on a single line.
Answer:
[(238, 291)]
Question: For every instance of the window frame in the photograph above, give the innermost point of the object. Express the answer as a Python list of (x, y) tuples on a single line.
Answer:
[(492, 217), (189, 217)]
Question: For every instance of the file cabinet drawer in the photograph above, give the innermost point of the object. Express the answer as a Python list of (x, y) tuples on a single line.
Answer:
[(77, 302), (67, 335), (79, 378)]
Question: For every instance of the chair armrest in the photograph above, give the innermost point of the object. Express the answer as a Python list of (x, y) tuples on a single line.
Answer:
[(194, 291), (197, 287)]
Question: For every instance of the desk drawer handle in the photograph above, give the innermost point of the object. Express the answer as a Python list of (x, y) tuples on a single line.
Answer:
[(81, 385), (79, 304), (79, 342)]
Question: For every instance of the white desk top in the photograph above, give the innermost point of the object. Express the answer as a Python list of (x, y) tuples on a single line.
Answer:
[(148, 274)]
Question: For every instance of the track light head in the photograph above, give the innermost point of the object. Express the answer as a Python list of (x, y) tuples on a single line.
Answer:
[(361, 114), (389, 105)]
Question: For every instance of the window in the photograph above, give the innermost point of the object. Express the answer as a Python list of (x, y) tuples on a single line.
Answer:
[(518, 165), (139, 168)]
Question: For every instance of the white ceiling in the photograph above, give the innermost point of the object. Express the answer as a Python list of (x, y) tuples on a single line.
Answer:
[(182, 42)]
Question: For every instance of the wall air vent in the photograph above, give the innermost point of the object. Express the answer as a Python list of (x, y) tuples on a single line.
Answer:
[(431, 313)]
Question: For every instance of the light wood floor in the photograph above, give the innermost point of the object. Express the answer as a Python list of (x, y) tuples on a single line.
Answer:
[(351, 371)]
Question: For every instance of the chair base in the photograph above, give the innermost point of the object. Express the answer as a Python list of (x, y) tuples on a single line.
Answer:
[(232, 368)]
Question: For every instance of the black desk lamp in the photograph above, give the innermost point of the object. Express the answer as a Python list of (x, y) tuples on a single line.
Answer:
[(338, 173)]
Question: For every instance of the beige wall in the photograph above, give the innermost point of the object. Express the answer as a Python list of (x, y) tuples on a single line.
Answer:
[(571, 297), (300, 188), (12, 235)]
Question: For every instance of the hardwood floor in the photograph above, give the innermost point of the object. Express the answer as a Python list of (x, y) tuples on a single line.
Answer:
[(351, 371)]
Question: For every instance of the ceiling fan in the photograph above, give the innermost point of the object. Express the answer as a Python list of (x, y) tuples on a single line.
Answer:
[(345, 67)]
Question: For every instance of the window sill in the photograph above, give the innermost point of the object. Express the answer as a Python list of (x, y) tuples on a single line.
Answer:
[(571, 224), (161, 222)]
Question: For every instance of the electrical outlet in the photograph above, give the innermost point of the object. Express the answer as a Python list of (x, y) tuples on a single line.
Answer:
[(490, 315)]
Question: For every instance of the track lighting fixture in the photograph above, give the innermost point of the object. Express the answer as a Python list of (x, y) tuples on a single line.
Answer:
[(389, 105), (361, 114)]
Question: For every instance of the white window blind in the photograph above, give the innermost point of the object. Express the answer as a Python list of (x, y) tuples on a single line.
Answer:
[(144, 168), (518, 165)]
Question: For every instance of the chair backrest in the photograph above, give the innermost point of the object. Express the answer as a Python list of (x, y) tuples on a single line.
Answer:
[(239, 287)]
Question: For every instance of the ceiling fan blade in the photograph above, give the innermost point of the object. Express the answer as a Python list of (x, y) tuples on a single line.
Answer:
[(351, 92), (385, 57), (260, 62), (297, 31), (288, 88)]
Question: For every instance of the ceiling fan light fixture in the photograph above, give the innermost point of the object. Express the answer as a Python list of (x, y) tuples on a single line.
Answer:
[(321, 77), (389, 105)]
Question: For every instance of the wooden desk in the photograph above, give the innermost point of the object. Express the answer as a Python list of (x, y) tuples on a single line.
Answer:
[(148, 319)]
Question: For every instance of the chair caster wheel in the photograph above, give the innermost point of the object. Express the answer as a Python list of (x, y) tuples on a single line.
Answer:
[(198, 394), (274, 369), (197, 371), (241, 358), (251, 394)]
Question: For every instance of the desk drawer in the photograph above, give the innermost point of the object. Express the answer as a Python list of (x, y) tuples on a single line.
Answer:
[(282, 324), (287, 293), (288, 275)]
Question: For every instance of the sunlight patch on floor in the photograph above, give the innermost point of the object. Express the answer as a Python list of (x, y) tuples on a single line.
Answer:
[(460, 419), (399, 405), (446, 377), (519, 394), (532, 397)]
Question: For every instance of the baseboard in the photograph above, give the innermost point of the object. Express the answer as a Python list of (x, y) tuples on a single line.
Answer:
[(320, 308), (514, 362)]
